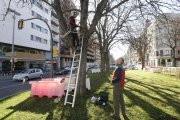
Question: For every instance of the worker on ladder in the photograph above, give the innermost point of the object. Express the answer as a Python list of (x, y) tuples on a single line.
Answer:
[(72, 27)]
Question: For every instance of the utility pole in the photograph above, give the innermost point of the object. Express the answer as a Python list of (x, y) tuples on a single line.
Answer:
[(59, 55), (12, 49), (51, 41), (12, 55)]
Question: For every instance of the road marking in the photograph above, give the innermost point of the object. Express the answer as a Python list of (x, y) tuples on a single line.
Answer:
[(13, 86)]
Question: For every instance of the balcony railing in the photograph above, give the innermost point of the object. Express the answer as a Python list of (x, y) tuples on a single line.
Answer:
[(55, 29), (54, 19)]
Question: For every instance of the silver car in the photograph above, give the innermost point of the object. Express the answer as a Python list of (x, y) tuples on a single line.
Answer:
[(28, 74)]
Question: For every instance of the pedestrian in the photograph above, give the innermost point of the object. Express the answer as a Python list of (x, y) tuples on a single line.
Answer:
[(73, 26), (118, 89)]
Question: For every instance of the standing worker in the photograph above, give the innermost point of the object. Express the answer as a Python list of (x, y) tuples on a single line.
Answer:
[(73, 25), (118, 89)]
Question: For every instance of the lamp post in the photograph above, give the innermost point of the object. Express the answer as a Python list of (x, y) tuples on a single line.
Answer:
[(59, 52), (51, 41), (12, 48)]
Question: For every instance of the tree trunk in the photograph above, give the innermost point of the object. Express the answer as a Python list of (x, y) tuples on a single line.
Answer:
[(107, 61), (143, 62), (102, 62), (174, 58), (82, 73)]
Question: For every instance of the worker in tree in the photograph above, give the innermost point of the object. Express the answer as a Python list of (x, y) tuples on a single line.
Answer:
[(73, 25)]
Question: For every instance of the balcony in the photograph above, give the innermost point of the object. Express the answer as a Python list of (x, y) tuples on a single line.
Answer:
[(26, 55), (55, 20), (56, 38), (55, 29)]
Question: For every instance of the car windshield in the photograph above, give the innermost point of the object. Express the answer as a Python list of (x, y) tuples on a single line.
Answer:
[(26, 71)]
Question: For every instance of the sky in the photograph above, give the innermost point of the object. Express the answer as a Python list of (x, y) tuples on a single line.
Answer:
[(119, 51)]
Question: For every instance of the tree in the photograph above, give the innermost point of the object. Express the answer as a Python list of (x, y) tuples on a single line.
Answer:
[(145, 7), (109, 31), (141, 43)]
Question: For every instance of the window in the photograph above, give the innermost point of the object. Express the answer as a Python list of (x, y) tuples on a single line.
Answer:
[(178, 42), (171, 52), (32, 51), (178, 52), (46, 10), (32, 25), (39, 5), (157, 53), (38, 39), (161, 52), (167, 52), (45, 41), (38, 28), (46, 31), (168, 60), (32, 71), (38, 16), (32, 13)]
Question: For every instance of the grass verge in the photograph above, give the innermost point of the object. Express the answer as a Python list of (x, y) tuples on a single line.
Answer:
[(148, 96)]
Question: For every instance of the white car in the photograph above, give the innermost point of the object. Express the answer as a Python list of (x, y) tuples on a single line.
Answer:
[(28, 74)]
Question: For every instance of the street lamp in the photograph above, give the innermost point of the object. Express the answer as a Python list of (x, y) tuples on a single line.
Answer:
[(12, 50), (51, 41)]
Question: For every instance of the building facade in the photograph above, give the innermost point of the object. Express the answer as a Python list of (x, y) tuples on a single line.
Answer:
[(158, 33), (31, 44)]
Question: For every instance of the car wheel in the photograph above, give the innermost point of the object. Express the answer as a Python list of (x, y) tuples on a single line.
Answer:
[(41, 76), (26, 78)]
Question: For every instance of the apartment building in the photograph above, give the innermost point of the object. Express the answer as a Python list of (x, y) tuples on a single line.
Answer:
[(160, 53), (31, 44)]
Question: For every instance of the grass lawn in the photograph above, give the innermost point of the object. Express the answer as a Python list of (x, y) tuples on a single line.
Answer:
[(148, 96)]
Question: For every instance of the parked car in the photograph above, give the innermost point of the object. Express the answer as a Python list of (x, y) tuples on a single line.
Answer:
[(132, 67), (63, 72), (28, 74), (112, 66)]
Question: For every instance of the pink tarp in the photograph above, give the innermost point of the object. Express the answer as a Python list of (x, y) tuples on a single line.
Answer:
[(47, 87)]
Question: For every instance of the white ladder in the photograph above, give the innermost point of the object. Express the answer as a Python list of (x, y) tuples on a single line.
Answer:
[(76, 61)]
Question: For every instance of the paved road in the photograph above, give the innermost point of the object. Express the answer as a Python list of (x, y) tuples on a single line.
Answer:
[(8, 87)]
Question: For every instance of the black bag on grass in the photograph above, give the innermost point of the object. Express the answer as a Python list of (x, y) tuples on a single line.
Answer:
[(104, 97)]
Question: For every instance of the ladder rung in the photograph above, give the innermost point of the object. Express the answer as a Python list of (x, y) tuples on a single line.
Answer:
[(72, 85), (74, 77), (77, 54), (70, 94), (69, 102), (76, 61), (73, 74), (75, 67)]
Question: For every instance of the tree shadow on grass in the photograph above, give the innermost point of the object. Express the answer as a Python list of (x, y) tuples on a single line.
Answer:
[(79, 112), (35, 105), (153, 111), (158, 90)]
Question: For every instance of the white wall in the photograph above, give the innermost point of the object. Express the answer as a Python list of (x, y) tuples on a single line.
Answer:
[(23, 37)]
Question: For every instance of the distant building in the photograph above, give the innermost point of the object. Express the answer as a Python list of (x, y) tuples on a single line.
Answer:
[(160, 53)]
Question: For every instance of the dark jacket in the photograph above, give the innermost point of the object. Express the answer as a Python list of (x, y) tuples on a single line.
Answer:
[(118, 72)]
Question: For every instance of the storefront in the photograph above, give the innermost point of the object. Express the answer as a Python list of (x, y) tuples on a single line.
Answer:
[(24, 58)]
